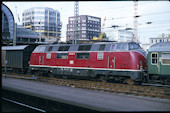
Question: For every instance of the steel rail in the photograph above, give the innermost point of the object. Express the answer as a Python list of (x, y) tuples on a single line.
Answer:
[(21, 104)]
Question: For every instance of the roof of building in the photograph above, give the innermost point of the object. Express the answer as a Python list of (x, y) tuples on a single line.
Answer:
[(19, 47), (163, 46), (26, 33), (160, 38)]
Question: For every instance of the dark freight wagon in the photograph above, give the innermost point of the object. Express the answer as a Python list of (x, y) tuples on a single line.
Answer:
[(17, 57), (159, 62)]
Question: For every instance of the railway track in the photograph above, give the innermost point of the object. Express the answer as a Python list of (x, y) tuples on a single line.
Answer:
[(148, 90), (21, 107)]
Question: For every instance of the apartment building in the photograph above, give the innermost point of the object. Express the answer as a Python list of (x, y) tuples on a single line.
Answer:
[(88, 27)]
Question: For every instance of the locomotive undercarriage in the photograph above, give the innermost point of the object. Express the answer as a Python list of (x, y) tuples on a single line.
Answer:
[(129, 77)]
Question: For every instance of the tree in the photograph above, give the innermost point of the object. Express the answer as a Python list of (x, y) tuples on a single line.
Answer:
[(104, 35)]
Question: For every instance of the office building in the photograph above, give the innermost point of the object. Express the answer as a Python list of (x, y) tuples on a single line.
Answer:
[(44, 21), (161, 38), (122, 35)]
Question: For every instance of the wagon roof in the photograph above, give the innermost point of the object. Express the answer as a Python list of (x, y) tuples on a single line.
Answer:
[(163, 46), (19, 47)]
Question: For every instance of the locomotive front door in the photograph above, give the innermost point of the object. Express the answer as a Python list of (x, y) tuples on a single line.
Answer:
[(111, 61), (41, 59), (112, 58)]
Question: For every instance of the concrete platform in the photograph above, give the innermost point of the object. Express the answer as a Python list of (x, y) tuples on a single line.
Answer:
[(95, 100)]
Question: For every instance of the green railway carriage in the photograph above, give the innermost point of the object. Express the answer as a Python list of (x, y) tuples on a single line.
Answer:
[(159, 62)]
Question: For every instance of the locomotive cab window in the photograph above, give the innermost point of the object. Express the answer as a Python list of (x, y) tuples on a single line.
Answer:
[(102, 47), (112, 47), (154, 58), (55, 48), (48, 48), (84, 48), (63, 48), (166, 58), (82, 55), (39, 49), (62, 55), (121, 47), (134, 46)]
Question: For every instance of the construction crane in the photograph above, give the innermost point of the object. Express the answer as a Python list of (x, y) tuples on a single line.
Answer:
[(101, 34)]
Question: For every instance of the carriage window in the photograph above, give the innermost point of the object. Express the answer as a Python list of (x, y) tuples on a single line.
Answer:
[(63, 48), (100, 56), (62, 55), (102, 47), (84, 48), (82, 55), (166, 58), (154, 58)]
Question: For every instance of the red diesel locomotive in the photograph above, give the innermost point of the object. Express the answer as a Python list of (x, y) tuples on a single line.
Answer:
[(123, 61)]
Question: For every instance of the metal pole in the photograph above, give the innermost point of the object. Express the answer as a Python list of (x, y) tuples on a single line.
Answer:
[(5, 68), (135, 37), (40, 32), (76, 13), (15, 34)]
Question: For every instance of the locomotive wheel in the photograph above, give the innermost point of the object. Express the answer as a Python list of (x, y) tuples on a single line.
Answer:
[(129, 81), (36, 73), (165, 82), (102, 79)]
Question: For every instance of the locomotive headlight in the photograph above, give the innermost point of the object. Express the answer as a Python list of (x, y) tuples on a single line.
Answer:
[(141, 67)]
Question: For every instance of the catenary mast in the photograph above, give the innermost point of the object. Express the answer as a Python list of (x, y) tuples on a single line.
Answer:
[(76, 13)]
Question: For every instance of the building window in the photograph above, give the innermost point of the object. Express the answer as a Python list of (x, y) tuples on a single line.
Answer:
[(83, 35), (62, 55), (83, 20), (83, 31), (166, 58), (160, 40), (82, 55), (154, 58)]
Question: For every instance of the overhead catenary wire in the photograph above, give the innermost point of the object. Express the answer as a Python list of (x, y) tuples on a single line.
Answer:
[(117, 7), (139, 15)]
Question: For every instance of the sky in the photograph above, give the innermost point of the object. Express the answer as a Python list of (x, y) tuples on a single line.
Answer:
[(116, 12)]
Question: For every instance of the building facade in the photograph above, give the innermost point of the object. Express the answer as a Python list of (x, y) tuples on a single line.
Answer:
[(88, 27), (26, 36), (8, 25), (160, 38), (122, 35), (44, 21)]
